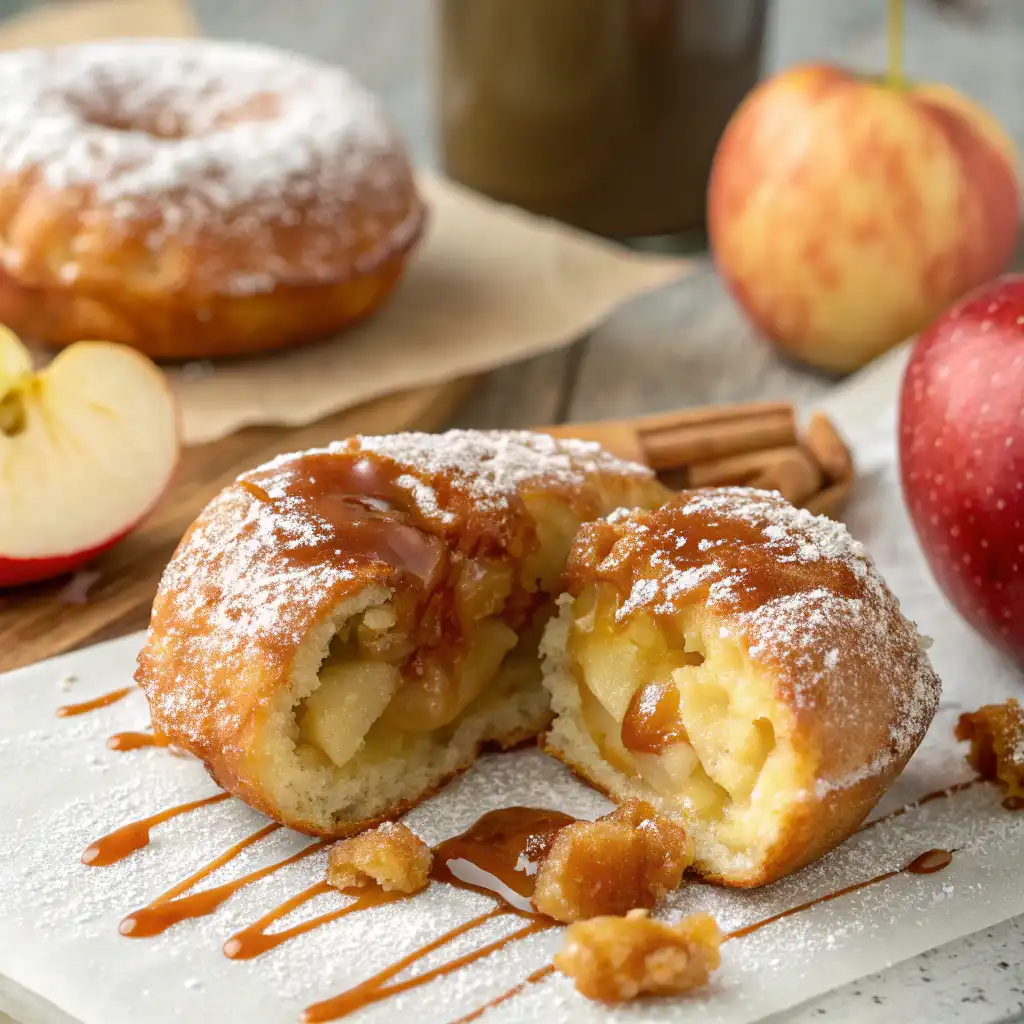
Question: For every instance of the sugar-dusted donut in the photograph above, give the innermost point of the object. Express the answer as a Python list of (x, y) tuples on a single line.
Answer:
[(741, 665), (194, 199), (340, 630)]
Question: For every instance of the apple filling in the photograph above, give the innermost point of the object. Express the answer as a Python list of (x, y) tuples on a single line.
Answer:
[(406, 684), (679, 715)]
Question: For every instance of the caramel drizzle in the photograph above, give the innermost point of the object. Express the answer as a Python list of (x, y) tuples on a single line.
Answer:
[(928, 798), (374, 989), (119, 844), (926, 863), (69, 710), (531, 979), (253, 940), (488, 845), (125, 741), (171, 908)]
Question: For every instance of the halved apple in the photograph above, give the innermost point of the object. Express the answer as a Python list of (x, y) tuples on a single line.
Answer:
[(87, 446)]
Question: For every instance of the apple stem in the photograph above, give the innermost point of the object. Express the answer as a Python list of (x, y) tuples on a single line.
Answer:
[(896, 42)]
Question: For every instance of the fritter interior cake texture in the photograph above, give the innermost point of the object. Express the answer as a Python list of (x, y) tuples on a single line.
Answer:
[(741, 665), (341, 629)]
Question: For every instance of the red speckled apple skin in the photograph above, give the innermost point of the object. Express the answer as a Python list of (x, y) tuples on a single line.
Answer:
[(961, 441), (14, 572)]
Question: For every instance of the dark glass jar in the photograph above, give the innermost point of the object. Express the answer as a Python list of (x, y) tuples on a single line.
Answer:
[(602, 113)]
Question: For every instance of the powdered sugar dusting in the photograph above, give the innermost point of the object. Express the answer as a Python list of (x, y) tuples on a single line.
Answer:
[(495, 465), (196, 139)]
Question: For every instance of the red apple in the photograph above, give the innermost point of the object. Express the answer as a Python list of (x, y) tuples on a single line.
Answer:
[(846, 212), (87, 446), (961, 439)]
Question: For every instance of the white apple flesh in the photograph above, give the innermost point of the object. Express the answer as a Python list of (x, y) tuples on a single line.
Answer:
[(87, 446)]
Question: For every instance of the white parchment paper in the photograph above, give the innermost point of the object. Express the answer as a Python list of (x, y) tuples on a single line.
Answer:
[(61, 955)]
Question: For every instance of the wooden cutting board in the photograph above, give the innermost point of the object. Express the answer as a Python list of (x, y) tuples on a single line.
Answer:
[(43, 620)]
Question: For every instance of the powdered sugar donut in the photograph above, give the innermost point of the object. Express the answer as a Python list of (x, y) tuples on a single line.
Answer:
[(194, 198)]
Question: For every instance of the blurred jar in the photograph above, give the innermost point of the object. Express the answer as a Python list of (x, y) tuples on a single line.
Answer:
[(602, 113)]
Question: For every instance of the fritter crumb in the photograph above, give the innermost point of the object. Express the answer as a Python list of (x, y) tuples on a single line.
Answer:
[(627, 859), (996, 735), (618, 958), (390, 855)]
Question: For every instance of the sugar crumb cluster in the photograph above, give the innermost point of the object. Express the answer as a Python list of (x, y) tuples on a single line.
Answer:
[(391, 856)]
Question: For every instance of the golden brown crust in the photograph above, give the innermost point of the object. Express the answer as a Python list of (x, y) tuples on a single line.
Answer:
[(812, 613), (277, 552), (224, 200), (614, 959), (996, 735), (391, 855), (627, 859), (179, 325)]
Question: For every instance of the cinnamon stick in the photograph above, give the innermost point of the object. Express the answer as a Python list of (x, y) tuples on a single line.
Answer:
[(684, 444), (753, 444), (824, 443), (831, 500), (796, 477), (737, 469)]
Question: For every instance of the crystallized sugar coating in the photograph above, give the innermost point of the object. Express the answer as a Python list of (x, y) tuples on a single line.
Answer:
[(188, 139), (796, 589)]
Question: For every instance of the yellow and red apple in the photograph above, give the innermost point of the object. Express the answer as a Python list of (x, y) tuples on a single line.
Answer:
[(87, 446), (846, 212)]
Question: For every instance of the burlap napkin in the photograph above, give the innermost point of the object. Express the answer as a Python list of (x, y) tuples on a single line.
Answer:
[(489, 285)]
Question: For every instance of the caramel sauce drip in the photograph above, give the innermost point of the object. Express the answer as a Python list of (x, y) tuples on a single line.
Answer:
[(732, 548), (69, 710), (253, 940), (171, 908), (652, 721), (125, 741), (928, 798), (376, 988), (494, 845), (370, 515), (927, 863), (373, 519), (531, 979), (126, 840)]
